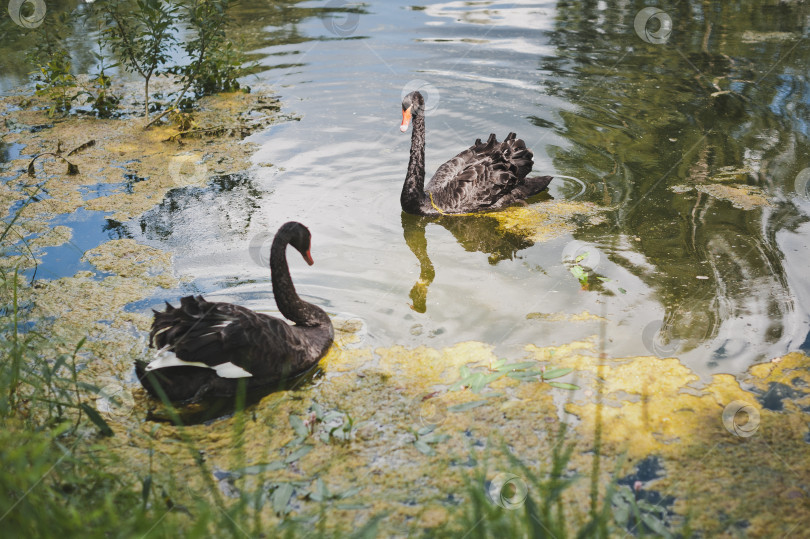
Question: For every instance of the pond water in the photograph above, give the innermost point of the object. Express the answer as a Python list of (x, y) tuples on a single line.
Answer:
[(693, 143)]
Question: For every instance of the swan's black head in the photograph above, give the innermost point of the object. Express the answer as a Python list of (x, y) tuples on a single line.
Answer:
[(412, 105), (298, 236)]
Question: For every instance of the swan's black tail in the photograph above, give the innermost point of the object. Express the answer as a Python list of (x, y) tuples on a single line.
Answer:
[(529, 187), (537, 184)]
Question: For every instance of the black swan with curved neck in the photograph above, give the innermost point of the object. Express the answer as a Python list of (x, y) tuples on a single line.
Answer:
[(205, 349), (486, 176)]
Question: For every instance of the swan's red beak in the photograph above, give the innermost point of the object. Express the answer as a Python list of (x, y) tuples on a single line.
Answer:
[(308, 258), (406, 119)]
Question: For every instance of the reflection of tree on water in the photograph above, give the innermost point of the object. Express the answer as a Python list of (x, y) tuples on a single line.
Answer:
[(722, 103), (227, 203), (473, 232)]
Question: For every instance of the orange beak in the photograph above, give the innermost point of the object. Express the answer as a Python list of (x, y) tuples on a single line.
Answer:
[(406, 119), (308, 258)]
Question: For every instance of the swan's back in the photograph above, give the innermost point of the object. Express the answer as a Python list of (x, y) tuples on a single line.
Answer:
[(484, 176), (220, 333)]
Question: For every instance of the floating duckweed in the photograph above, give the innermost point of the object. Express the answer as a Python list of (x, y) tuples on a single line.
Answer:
[(53, 237), (584, 316), (652, 408), (127, 258), (546, 221), (744, 197)]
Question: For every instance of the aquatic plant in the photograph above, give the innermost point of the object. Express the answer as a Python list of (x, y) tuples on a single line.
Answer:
[(102, 99), (215, 64), (476, 380), (532, 502), (143, 35), (53, 78)]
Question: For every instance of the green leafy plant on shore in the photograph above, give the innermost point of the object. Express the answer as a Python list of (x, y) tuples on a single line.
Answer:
[(215, 64), (102, 99), (55, 82), (53, 78), (530, 502), (142, 34)]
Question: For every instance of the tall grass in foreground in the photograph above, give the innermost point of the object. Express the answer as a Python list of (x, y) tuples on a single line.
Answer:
[(50, 484), (533, 506)]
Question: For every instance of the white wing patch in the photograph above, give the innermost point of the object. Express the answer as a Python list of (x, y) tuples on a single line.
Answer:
[(166, 358), (229, 370)]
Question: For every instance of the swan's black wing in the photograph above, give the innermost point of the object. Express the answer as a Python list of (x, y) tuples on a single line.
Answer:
[(216, 334), (485, 176)]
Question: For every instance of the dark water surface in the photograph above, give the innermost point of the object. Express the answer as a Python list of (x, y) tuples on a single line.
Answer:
[(660, 131)]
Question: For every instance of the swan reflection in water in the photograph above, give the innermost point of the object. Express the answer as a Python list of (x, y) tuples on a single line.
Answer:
[(473, 232)]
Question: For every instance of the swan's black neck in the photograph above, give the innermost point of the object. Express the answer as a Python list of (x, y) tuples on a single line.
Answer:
[(413, 198), (291, 306)]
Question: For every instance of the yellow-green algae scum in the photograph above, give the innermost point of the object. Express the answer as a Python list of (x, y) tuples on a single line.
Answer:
[(642, 406)]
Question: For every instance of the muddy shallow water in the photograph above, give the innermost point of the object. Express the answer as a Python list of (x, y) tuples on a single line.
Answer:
[(682, 175)]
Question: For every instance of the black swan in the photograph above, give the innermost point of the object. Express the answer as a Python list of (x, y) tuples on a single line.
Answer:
[(483, 177), (205, 349)]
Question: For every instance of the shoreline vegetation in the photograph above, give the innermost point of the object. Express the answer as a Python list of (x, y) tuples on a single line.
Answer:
[(435, 442)]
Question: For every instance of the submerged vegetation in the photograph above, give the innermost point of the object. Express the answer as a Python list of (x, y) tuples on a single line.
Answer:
[(140, 35)]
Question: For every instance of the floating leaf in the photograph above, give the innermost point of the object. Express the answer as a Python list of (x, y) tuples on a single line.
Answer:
[(259, 468), (320, 493), (434, 438), (332, 416), (348, 493), (424, 448), (517, 366), (497, 364), (523, 375), (298, 440), (427, 429), (464, 406), (481, 380), (658, 527), (621, 510), (563, 385), (580, 273), (298, 425), (281, 497), (353, 507), (298, 453), (321, 486), (556, 373)]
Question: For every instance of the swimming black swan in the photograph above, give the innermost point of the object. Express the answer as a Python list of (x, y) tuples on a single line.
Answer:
[(205, 349), (483, 177)]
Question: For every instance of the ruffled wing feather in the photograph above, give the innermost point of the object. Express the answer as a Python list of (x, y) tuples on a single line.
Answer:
[(482, 176)]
